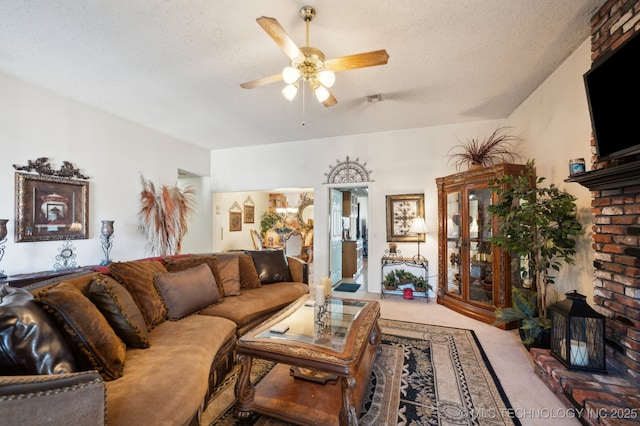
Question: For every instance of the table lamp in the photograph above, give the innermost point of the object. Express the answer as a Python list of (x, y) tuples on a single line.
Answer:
[(419, 228)]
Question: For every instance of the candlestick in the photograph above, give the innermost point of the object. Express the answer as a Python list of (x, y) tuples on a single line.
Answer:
[(320, 294), (325, 283)]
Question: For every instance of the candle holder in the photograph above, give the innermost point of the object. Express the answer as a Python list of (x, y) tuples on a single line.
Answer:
[(3, 240), (106, 233)]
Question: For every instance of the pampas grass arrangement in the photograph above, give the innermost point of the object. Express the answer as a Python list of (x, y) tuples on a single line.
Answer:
[(163, 216), (498, 147)]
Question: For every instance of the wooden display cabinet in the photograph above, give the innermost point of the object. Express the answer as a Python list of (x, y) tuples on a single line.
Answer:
[(474, 277)]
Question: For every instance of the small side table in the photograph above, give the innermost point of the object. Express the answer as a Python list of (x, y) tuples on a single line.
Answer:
[(417, 267)]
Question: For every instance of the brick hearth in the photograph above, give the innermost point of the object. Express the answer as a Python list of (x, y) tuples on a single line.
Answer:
[(610, 399)]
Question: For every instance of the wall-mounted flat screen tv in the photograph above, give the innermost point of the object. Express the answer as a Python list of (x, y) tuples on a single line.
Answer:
[(613, 93)]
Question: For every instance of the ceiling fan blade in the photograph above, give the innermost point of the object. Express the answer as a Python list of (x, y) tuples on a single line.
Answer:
[(280, 36), (360, 60), (262, 81), (331, 100)]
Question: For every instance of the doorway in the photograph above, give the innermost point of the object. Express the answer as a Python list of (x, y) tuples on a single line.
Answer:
[(349, 234)]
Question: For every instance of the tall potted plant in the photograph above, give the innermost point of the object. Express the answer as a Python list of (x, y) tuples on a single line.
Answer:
[(538, 224)]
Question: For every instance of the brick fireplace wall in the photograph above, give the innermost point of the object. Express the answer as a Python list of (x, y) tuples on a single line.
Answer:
[(616, 216)]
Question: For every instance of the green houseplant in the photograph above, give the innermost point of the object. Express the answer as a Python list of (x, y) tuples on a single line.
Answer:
[(537, 225), (524, 310), (399, 276)]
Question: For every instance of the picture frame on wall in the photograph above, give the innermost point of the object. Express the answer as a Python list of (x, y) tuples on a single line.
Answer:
[(249, 214), (401, 211), (51, 208), (249, 209), (235, 221)]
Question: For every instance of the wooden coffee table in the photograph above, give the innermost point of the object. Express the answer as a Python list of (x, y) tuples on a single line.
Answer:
[(324, 360)]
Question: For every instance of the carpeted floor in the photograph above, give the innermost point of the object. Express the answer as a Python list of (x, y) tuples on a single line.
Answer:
[(427, 375)]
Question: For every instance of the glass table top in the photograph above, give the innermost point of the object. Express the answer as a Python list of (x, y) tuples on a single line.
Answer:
[(327, 326)]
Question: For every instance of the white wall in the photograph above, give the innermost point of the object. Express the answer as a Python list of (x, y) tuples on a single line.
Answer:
[(554, 122), (112, 151), (556, 125)]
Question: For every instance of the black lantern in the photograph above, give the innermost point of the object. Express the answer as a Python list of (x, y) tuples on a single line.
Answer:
[(577, 334)]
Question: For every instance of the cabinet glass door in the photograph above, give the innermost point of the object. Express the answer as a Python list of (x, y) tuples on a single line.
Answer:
[(454, 242), (480, 251)]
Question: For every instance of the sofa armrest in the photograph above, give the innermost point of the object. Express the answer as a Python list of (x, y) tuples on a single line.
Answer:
[(298, 269), (75, 398)]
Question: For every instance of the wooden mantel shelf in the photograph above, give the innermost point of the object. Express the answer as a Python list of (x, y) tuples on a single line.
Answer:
[(610, 177)]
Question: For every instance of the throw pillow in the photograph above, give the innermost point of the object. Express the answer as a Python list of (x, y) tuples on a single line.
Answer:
[(271, 265), (180, 264), (138, 277), (229, 272), (120, 310), (248, 275), (188, 291), (99, 346), (30, 341)]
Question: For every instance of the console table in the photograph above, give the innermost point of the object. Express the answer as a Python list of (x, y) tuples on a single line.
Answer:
[(24, 280), (418, 267)]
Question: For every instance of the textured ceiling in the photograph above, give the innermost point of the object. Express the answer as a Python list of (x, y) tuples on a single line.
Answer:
[(176, 66)]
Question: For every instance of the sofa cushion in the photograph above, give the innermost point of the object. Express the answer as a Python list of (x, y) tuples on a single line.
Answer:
[(120, 310), (254, 306), (30, 340), (229, 272), (271, 265), (171, 377), (180, 264), (248, 275), (98, 345), (188, 291), (138, 277)]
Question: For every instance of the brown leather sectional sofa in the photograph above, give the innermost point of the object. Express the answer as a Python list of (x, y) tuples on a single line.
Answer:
[(139, 342)]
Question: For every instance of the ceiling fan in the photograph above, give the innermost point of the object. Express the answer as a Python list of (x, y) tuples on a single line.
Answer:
[(308, 64)]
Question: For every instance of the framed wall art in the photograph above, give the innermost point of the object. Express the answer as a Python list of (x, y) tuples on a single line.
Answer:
[(51, 208), (401, 211), (235, 217), (249, 209)]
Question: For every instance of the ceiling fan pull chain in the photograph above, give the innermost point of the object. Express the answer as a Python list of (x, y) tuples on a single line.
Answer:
[(303, 104)]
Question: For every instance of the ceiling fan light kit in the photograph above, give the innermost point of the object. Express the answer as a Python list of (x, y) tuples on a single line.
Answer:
[(308, 64)]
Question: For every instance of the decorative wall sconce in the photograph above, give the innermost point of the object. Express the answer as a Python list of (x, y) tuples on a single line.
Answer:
[(3, 239), (106, 233)]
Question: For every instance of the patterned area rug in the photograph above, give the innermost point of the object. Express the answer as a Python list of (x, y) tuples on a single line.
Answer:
[(424, 375)]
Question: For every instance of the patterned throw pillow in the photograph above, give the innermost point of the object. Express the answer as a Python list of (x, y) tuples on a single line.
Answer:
[(120, 310), (138, 277), (98, 345), (188, 291), (248, 275), (229, 272)]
